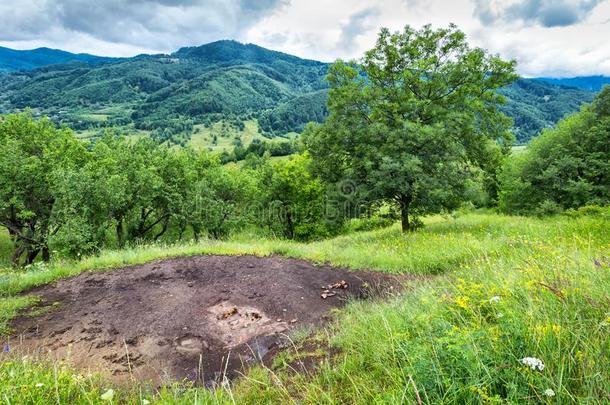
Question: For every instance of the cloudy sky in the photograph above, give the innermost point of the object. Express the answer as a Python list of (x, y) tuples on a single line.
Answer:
[(547, 37)]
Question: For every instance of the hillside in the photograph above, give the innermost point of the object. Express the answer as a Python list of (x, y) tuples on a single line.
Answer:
[(167, 95), (591, 83), (534, 105), (14, 60)]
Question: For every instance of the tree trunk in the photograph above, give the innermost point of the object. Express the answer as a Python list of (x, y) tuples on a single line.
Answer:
[(405, 202), (404, 218), (46, 254), (119, 234), (31, 256), (17, 253)]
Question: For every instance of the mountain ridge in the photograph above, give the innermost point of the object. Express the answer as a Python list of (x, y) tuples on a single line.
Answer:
[(15, 59), (168, 94)]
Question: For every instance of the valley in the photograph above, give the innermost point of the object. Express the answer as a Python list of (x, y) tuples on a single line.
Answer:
[(165, 96)]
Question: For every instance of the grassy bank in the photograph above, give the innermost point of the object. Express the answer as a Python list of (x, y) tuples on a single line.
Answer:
[(513, 288)]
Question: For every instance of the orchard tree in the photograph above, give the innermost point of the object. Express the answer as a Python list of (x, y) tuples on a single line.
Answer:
[(35, 155), (415, 120)]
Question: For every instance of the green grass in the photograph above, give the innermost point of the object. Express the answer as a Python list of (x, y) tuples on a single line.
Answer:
[(5, 248), (202, 138), (511, 288)]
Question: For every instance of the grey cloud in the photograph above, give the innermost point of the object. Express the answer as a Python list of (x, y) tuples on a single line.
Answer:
[(358, 24), (155, 24), (548, 13)]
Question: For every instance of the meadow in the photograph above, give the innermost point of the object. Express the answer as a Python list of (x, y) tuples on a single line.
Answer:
[(505, 309)]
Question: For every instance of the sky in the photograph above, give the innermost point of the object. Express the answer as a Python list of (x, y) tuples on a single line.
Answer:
[(558, 38)]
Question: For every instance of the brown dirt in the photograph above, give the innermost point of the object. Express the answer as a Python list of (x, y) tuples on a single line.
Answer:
[(200, 318)]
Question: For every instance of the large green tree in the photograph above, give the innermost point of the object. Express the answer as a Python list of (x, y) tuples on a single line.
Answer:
[(415, 120)]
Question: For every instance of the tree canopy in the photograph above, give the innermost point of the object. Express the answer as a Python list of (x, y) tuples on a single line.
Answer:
[(416, 122), (565, 167)]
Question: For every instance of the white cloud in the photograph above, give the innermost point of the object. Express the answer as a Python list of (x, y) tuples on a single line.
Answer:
[(547, 37)]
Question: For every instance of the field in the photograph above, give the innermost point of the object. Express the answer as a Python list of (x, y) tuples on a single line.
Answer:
[(221, 137), (499, 294)]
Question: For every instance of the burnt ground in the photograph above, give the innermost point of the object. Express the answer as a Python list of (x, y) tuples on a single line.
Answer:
[(199, 318)]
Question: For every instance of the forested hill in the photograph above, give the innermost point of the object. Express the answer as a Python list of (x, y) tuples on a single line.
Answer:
[(591, 83), (14, 60), (169, 94)]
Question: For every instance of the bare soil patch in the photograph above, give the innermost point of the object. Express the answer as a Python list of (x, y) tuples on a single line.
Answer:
[(202, 318)]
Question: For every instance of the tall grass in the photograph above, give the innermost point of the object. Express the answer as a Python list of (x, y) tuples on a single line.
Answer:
[(512, 288), (5, 248)]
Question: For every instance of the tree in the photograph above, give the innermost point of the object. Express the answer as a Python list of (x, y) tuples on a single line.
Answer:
[(35, 154), (417, 118), (565, 167), (293, 198)]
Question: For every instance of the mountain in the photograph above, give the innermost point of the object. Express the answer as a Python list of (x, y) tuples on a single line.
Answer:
[(14, 60), (536, 104), (169, 95), (591, 83)]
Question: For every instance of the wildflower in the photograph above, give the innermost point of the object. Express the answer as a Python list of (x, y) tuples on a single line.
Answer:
[(549, 392), (499, 315), (108, 395), (7, 348), (145, 402), (39, 385), (533, 363), (495, 298), (462, 302)]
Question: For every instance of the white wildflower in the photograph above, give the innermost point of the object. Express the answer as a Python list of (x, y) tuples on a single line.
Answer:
[(108, 395), (495, 298), (499, 315), (145, 402), (549, 392), (533, 363), (39, 385)]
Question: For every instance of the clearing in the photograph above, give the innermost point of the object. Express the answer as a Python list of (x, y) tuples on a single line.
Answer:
[(200, 318)]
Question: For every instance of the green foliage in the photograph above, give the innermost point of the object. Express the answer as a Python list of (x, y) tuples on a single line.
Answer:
[(419, 125), (260, 148), (294, 199), (34, 156), (566, 167), (58, 194)]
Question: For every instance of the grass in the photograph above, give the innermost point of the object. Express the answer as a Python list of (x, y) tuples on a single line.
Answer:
[(512, 288), (5, 249), (203, 138)]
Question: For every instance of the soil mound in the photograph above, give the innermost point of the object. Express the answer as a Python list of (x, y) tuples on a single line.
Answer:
[(200, 318)]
